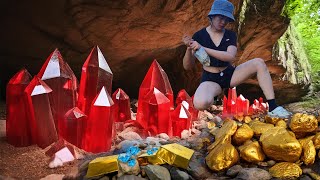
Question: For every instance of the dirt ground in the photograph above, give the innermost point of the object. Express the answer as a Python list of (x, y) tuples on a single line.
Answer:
[(26, 162)]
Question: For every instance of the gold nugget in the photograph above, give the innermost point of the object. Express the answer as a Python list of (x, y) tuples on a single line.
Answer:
[(303, 123), (285, 170), (278, 144)]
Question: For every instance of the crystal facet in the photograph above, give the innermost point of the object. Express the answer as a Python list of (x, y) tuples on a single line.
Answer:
[(42, 126), (155, 78), (96, 73), (98, 135), (17, 115), (57, 74)]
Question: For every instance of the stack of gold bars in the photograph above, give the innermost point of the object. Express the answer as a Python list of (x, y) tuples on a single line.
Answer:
[(173, 154)]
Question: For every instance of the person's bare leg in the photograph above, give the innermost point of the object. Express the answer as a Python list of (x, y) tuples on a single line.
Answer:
[(255, 66), (205, 93)]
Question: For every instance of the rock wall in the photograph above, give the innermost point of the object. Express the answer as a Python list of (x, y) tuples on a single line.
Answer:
[(131, 33), (293, 57)]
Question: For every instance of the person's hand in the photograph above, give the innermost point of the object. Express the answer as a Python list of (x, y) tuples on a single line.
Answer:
[(194, 45), (186, 40)]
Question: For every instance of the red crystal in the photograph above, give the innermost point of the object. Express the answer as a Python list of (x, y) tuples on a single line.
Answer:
[(183, 96), (96, 73), (245, 107), (239, 107), (252, 109), (181, 120), (57, 74), (43, 130), (121, 105), (256, 103), (72, 128), (260, 106), (232, 98), (17, 115), (188, 104), (98, 136), (57, 146), (155, 78), (157, 113), (225, 107)]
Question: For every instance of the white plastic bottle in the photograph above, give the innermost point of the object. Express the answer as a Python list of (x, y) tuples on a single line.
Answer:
[(202, 56)]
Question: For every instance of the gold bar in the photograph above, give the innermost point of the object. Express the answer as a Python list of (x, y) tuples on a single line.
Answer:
[(175, 154), (102, 165), (152, 159)]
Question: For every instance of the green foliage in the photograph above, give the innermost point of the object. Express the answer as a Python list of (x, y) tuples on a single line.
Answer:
[(310, 102), (305, 16)]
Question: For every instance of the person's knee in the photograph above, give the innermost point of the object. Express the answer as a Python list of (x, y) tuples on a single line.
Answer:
[(201, 104), (260, 64)]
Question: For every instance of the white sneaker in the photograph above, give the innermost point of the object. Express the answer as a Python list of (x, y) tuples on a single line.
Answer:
[(280, 112)]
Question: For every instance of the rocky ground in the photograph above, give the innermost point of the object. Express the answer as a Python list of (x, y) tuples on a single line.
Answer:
[(31, 162)]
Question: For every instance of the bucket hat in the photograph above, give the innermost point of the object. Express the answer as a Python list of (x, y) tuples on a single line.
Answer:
[(222, 7)]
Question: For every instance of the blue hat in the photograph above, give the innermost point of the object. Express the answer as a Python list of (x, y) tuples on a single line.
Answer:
[(222, 7)]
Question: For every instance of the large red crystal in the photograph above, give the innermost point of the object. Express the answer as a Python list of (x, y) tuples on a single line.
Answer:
[(42, 125), (157, 113), (57, 74), (98, 136), (17, 123), (96, 73), (181, 120), (155, 78), (72, 128)]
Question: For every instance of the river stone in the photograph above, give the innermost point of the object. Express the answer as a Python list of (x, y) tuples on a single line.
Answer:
[(304, 177), (234, 170), (130, 177), (156, 172), (253, 174), (197, 167), (177, 174)]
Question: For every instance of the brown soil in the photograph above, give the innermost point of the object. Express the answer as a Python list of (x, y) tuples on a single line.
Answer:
[(26, 162)]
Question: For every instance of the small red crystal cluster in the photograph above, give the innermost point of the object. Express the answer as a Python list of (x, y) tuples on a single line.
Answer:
[(239, 106), (52, 106)]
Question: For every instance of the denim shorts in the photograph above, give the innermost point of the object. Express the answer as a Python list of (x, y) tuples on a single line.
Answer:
[(223, 81)]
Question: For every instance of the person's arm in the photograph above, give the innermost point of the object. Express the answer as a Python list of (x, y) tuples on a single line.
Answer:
[(227, 56), (188, 59)]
